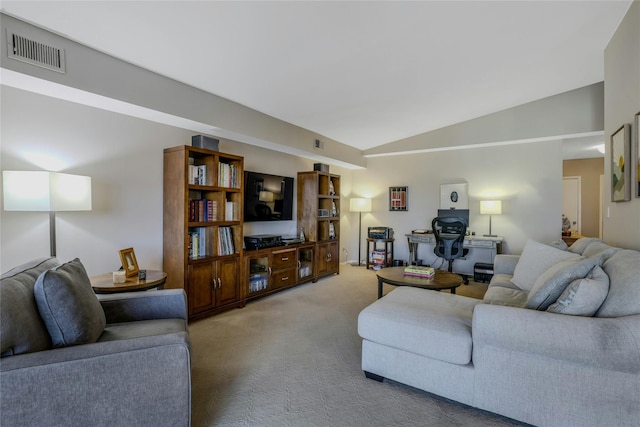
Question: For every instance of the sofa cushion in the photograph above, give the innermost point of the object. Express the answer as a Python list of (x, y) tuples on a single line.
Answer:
[(420, 321), (536, 258), (579, 246), (559, 244), (583, 297), (21, 327), (69, 307), (499, 295), (550, 285), (623, 299)]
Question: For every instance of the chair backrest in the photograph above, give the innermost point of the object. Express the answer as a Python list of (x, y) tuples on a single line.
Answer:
[(449, 233)]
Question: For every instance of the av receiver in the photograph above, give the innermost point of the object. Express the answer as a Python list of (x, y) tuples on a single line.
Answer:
[(380, 233), (261, 241)]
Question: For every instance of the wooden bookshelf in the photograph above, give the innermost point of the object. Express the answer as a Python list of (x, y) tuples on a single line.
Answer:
[(202, 227)]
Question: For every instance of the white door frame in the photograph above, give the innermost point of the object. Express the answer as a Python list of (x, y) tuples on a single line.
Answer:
[(578, 226)]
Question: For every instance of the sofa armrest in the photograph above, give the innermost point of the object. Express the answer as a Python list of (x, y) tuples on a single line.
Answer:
[(143, 381), (607, 343), (134, 306), (505, 264)]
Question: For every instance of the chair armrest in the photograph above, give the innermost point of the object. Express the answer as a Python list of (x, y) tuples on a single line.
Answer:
[(505, 264), (134, 306), (143, 381), (606, 343)]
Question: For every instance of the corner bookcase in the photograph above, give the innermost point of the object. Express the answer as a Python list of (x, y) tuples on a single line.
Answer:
[(202, 227), (319, 217)]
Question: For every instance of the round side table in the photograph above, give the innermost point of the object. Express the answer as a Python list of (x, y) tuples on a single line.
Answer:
[(103, 283)]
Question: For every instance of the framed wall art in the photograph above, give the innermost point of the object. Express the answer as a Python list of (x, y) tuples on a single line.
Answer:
[(621, 164), (398, 200), (454, 196)]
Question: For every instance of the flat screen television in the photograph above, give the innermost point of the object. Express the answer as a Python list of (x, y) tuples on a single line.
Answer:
[(267, 197)]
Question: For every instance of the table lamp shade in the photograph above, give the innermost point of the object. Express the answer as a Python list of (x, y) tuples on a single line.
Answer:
[(360, 205), (266, 196), (491, 207), (45, 191)]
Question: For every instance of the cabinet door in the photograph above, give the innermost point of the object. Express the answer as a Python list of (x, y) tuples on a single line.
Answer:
[(227, 279), (333, 257), (201, 288), (305, 263), (258, 268), (327, 258)]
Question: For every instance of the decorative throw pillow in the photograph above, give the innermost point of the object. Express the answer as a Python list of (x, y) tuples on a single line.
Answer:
[(560, 244), (536, 258), (550, 285), (69, 307), (583, 297)]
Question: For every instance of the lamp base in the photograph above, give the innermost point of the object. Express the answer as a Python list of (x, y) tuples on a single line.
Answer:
[(490, 235)]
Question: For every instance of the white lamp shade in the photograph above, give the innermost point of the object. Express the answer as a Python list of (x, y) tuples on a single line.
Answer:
[(360, 205), (45, 191), (491, 207), (265, 196)]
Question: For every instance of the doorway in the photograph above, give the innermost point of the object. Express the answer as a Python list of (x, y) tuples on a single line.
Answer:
[(571, 202)]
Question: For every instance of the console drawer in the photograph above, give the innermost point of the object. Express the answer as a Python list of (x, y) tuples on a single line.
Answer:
[(283, 259), (282, 278)]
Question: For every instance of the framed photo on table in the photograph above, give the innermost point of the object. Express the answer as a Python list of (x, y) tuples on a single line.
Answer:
[(129, 263), (621, 164)]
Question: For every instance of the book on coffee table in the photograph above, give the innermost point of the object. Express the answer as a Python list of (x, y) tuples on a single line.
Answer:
[(420, 271)]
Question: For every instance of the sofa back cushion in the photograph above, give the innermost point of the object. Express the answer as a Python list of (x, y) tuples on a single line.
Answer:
[(552, 283), (623, 269), (21, 327), (536, 258), (580, 245), (69, 307)]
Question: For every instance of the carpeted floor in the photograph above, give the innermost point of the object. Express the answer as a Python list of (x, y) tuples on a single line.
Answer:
[(293, 359)]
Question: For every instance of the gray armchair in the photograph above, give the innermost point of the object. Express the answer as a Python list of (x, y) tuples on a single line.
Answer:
[(137, 371)]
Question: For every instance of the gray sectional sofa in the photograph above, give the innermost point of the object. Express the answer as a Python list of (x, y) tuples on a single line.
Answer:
[(70, 358), (555, 342)]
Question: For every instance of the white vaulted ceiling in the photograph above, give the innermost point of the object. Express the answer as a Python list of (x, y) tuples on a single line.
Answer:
[(362, 73)]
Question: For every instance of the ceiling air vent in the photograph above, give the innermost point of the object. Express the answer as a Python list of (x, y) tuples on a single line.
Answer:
[(35, 53)]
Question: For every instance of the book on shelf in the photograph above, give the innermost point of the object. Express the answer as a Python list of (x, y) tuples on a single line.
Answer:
[(230, 210), (198, 174), (225, 241), (197, 243), (203, 210), (419, 271), (227, 175)]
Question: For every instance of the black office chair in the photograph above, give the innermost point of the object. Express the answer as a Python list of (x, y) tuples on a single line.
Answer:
[(449, 233)]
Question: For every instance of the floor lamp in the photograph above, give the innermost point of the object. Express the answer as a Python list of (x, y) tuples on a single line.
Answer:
[(490, 207), (359, 205), (42, 191)]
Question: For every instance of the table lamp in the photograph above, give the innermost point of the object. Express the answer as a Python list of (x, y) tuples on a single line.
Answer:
[(358, 204), (490, 207), (43, 191)]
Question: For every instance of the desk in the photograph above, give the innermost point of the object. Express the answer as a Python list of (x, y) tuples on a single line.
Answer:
[(103, 283), (481, 249)]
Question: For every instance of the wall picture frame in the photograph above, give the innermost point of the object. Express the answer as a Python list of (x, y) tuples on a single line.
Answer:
[(398, 199), (454, 196), (621, 164), (129, 262)]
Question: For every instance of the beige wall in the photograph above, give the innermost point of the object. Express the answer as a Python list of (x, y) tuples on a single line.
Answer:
[(589, 170), (622, 101)]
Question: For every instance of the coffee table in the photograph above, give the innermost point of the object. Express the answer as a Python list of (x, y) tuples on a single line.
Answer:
[(103, 283), (395, 276)]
